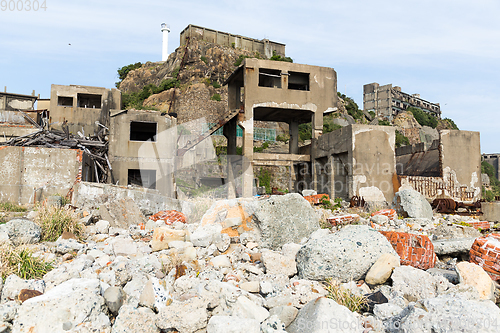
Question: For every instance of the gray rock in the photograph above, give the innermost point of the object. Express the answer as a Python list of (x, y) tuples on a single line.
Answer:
[(23, 231), (185, 317), (5, 327), (272, 325), (453, 246), (8, 311), (64, 246), (410, 203), (454, 231), (380, 219), (413, 284), (121, 213), (102, 227), (231, 324), (386, 310), (132, 319), (447, 313), (247, 309), (307, 193), (114, 297), (76, 302), (284, 219), (345, 255), (325, 315), (451, 276), (285, 313), (14, 284)]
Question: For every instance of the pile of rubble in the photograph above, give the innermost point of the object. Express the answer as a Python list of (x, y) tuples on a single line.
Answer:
[(255, 265)]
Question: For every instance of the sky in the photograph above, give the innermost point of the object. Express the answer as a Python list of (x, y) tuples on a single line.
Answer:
[(447, 51)]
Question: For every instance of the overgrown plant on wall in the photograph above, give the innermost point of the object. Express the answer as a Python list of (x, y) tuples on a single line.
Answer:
[(489, 195), (423, 118), (122, 72)]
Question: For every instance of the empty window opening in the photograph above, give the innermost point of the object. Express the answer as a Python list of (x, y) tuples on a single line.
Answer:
[(89, 101), (298, 81), (269, 78), (141, 177), (142, 131), (64, 101)]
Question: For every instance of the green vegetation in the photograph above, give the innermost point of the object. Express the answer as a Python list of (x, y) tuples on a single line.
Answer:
[(345, 297), (305, 132), (54, 221), (20, 261), (216, 97), (265, 179), (351, 107), (401, 139), (283, 138), (494, 182), (384, 123), (372, 113), (135, 100), (277, 57), (122, 72), (327, 204), (261, 149), (451, 123), (10, 207), (216, 85), (240, 59), (423, 118), (204, 59)]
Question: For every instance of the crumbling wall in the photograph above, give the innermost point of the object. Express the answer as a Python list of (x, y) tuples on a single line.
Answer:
[(28, 174)]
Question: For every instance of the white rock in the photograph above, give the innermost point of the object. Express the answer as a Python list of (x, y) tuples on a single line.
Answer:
[(132, 319), (474, 275), (232, 324), (220, 261), (14, 284), (382, 269), (185, 317), (114, 297), (412, 283), (155, 295), (164, 235), (74, 302), (64, 246), (185, 283), (179, 245), (124, 247), (276, 263), (266, 287), (325, 315), (307, 193), (252, 245), (272, 324), (386, 310), (285, 313), (251, 287), (206, 235), (8, 311), (223, 243), (247, 309), (231, 222), (102, 227), (23, 231)]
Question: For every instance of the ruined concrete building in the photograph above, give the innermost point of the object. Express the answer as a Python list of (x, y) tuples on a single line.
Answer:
[(14, 123), (264, 47), (265, 90), (387, 101), (81, 107)]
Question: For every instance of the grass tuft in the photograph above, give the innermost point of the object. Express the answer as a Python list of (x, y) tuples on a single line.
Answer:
[(344, 296), (20, 261), (54, 221), (10, 207)]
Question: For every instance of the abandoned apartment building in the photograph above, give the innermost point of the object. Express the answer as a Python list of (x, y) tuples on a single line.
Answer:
[(387, 101), (145, 148)]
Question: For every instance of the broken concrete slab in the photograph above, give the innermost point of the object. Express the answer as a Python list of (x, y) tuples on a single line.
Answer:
[(121, 213), (453, 246)]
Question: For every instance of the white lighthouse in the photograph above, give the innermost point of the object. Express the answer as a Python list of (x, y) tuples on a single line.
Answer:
[(165, 29)]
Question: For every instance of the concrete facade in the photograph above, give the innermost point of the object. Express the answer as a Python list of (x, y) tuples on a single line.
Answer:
[(264, 47), (12, 122), (82, 106), (142, 150), (13, 102), (491, 211), (494, 160), (356, 160), (265, 90), (387, 101), (450, 168), (29, 174)]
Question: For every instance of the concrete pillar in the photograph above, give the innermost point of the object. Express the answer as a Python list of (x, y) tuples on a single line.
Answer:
[(230, 134), (293, 143), (247, 126)]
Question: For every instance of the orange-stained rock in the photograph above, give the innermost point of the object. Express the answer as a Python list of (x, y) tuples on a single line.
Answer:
[(343, 219), (414, 250)]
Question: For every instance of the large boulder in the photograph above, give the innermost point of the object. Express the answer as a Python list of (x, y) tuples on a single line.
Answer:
[(414, 284), (345, 255), (23, 231), (447, 313), (410, 203), (76, 302), (324, 315), (14, 284), (121, 213), (474, 275), (184, 317), (284, 219)]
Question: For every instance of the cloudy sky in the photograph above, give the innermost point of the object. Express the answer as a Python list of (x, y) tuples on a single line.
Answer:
[(448, 51)]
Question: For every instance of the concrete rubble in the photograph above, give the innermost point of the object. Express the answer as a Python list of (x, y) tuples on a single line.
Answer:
[(253, 265)]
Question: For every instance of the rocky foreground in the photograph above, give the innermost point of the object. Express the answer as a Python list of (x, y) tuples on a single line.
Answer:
[(253, 265)]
